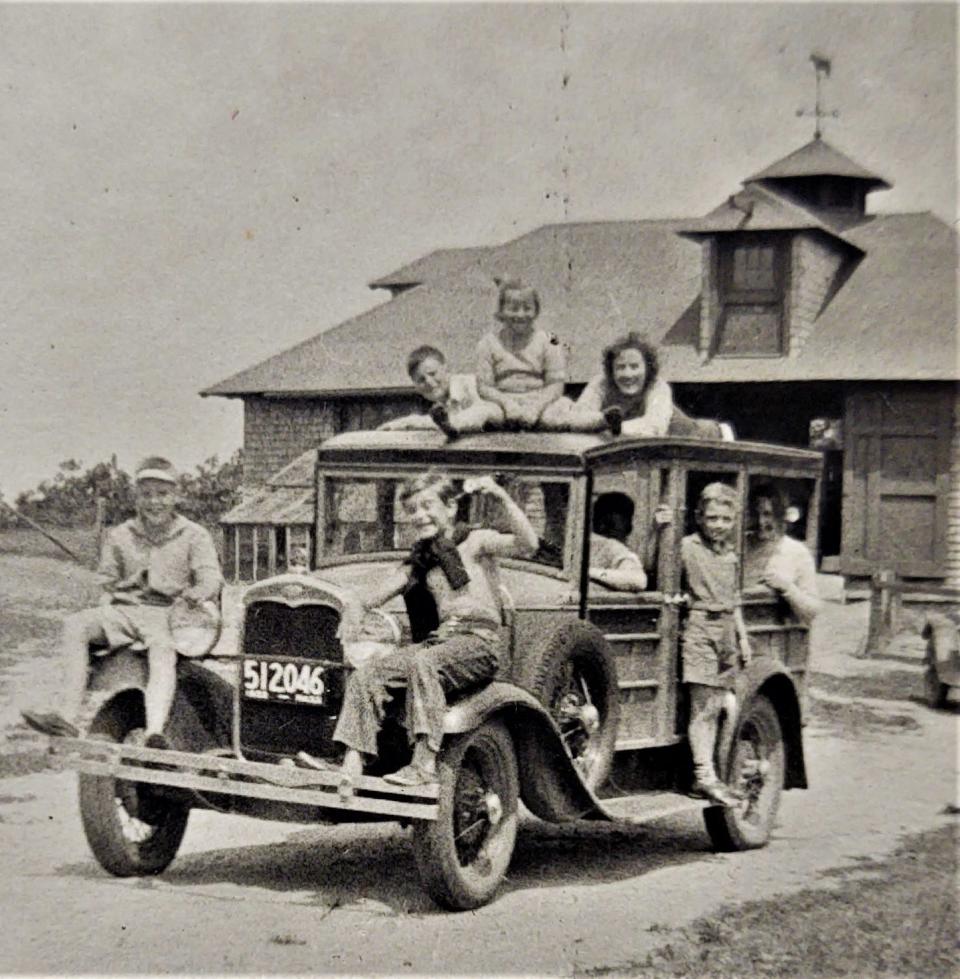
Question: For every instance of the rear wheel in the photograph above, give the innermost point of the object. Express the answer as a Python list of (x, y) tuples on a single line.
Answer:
[(756, 769), (131, 828), (463, 855), (576, 680)]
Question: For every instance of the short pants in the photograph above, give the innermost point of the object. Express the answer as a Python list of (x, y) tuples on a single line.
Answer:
[(709, 650)]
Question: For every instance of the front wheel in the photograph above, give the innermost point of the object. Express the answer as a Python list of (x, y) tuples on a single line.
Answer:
[(756, 769), (463, 855), (131, 829)]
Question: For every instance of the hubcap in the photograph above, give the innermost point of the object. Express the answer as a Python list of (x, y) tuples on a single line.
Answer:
[(477, 812), (578, 718)]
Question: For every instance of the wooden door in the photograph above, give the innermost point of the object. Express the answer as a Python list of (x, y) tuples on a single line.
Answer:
[(896, 481)]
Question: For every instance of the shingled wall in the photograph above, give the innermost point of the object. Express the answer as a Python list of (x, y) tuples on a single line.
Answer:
[(953, 500), (277, 430), (814, 265)]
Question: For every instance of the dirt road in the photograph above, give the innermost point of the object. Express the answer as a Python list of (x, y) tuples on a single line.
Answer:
[(246, 896)]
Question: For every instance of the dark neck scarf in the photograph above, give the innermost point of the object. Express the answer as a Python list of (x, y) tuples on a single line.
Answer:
[(632, 405), (432, 552)]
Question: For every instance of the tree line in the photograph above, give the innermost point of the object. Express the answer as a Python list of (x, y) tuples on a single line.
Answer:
[(69, 499)]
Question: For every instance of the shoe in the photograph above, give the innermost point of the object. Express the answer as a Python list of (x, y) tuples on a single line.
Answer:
[(156, 740), (411, 775), (320, 764), (614, 419), (715, 791), (50, 723), (441, 418)]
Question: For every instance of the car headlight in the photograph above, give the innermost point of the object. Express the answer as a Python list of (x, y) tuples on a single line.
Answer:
[(380, 627)]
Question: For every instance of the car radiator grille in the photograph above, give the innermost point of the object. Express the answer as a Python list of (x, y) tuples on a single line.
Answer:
[(307, 632)]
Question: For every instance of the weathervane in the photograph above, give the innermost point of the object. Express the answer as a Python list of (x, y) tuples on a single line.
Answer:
[(821, 66)]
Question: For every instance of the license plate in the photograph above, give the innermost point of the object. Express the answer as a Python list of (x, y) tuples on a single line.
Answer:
[(294, 683)]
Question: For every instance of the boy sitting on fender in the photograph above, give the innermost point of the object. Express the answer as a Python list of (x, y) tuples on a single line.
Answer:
[(147, 561), (457, 565)]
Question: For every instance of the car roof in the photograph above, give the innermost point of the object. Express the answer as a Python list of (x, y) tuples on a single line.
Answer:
[(555, 452)]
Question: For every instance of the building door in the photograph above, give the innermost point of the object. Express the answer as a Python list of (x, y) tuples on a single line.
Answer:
[(896, 481)]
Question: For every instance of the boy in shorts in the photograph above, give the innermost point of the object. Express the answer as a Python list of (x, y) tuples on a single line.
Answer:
[(147, 562), (714, 642), (455, 404)]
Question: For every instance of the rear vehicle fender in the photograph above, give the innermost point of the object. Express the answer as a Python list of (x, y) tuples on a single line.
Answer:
[(767, 678), (550, 785), (943, 647)]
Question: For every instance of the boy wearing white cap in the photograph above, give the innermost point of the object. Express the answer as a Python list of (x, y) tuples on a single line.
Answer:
[(147, 562)]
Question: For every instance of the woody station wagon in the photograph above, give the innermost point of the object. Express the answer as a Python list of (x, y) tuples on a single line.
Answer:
[(586, 719)]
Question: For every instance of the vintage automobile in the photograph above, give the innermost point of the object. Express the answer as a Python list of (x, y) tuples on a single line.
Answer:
[(586, 719)]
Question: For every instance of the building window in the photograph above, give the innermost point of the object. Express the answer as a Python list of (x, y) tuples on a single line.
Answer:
[(751, 279)]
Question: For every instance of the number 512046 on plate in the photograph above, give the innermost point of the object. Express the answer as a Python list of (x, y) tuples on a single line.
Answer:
[(301, 683)]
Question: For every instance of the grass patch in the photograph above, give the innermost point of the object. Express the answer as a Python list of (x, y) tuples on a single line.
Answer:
[(856, 720), (892, 917), (888, 685), (287, 940), (14, 763), (27, 542)]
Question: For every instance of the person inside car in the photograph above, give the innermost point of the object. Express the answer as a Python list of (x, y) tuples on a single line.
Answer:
[(456, 567), (147, 562), (612, 563), (774, 560)]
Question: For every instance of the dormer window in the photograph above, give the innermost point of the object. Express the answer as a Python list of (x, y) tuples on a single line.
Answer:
[(752, 281)]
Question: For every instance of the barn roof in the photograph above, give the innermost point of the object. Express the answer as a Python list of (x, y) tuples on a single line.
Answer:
[(437, 264), (894, 317), (761, 208), (275, 507)]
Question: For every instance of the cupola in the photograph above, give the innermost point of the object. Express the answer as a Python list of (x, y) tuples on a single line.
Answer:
[(820, 177)]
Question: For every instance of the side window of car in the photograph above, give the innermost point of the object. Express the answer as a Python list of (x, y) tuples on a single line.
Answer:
[(622, 508), (546, 504)]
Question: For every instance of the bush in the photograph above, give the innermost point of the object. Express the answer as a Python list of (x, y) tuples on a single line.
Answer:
[(70, 498)]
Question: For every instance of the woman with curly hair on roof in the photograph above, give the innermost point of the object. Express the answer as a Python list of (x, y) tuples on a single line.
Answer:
[(629, 396)]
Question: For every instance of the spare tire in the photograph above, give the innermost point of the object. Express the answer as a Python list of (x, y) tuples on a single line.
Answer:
[(575, 678)]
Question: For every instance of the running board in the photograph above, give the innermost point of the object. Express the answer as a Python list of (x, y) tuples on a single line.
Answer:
[(648, 806), (238, 777)]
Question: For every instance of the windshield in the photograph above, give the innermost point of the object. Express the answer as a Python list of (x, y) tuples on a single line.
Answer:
[(364, 515)]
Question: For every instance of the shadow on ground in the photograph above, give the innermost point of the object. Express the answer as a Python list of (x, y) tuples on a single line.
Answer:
[(375, 866)]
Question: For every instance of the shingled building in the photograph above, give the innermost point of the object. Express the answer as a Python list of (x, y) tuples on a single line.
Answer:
[(788, 310)]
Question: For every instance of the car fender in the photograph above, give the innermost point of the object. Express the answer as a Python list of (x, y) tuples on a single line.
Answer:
[(550, 785), (767, 677), (123, 669), (943, 647), (202, 711)]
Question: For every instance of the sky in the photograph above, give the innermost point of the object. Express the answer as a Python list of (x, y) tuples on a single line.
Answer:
[(189, 189)]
